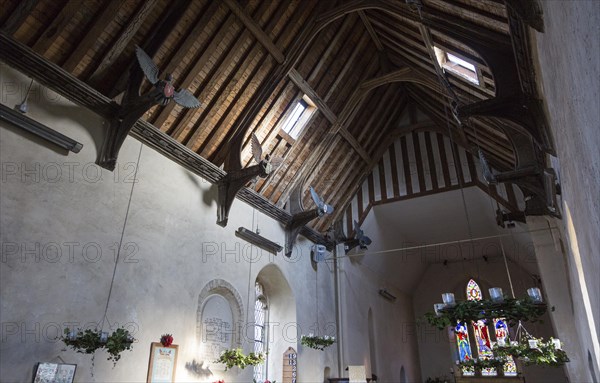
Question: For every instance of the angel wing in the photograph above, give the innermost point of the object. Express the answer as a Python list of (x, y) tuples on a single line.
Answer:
[(316, 198), (327, 209), (276, 162), (256, 149), (488, 174), (360, 235), (357, 230), (186, 99), (148, 66)]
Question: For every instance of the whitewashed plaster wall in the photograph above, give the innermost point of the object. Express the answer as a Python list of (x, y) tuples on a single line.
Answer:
[(394, 328), (437, 349), (569, 72), (170, 249)]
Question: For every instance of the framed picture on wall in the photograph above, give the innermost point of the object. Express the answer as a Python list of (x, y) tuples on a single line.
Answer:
[(54, 373), (163, 361)]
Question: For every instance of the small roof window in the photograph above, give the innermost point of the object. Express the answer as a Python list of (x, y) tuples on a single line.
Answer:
[(298, 118), (457, 65)]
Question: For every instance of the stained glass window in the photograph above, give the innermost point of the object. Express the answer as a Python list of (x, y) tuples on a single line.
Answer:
[(260, 313), (473, 291), (464, 346), (501, 329), (483, 339), (480, 328)]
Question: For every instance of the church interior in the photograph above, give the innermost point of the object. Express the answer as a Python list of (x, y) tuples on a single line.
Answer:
[(300, 191)]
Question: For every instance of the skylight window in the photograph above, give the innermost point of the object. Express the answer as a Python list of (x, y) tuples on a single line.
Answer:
[(458, 66), (297, 119)]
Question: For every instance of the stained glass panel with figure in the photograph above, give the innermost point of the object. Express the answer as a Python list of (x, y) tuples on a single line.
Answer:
[(464, 346), (502, 338)]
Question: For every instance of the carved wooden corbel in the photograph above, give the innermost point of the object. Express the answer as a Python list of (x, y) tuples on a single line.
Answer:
[(300, 217), (236, 177)]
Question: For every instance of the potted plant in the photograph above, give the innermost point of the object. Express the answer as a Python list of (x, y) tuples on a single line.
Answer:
[(317, 342), (89, 341), (236, 358)]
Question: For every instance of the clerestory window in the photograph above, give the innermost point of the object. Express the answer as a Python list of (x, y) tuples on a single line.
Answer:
[(457, 65), (297, 120)]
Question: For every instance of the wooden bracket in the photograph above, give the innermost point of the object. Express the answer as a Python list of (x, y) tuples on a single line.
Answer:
[(121, 123), (299, 218), (233, 182), (236, 178), (293, 228)]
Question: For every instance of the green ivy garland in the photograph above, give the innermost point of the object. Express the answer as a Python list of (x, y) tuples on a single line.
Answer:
[(513, 310), (546, 354), (88, 341), (472, 364), (317, 342), (235, 357)]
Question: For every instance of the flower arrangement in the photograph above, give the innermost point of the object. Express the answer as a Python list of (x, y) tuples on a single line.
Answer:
[(166, 340), (514, 310), (235, 357), (544, 353), (88, 341), (266, 381), (317, 342)]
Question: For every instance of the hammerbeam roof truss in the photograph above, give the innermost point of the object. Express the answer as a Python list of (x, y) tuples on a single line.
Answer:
[(248, 61)]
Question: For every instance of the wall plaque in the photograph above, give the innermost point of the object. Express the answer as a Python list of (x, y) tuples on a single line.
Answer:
[(217, 328), (290, 366), (163, 361)]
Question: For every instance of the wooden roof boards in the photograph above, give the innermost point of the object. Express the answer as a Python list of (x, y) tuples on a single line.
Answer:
[(250, 61)]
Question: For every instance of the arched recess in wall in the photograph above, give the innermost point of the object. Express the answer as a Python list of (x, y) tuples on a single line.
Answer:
[(282, 326), (326, 374), (372, 343), (402, 375), (218, 319)]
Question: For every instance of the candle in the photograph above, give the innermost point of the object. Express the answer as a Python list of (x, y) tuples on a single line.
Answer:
[(535, 294), (532, 343), (448, 299), (103, 337), (496, 294), (72, 335), (437, 307), (556, 343)]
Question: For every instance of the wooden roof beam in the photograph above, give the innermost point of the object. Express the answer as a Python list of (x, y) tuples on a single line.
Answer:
[(59, 22), (360, 176), (350, 63), (256, 30), (123, 40), (98, 25), (18, 16)]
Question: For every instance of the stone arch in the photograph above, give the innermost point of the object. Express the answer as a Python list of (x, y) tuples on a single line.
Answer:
[(282, 317), (226, 290)]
